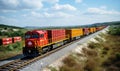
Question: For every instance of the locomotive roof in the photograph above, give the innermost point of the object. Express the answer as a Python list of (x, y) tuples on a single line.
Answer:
[(39, 31)]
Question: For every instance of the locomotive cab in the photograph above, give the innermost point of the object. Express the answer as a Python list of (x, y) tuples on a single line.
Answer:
[(33, 41)]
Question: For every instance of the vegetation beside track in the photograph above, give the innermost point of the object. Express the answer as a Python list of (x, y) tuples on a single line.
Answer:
[(104, 55), (10, 50), (7, 51)]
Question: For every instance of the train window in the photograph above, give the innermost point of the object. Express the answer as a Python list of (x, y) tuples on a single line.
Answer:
[(41, 35), (27, 36), (35, 36)]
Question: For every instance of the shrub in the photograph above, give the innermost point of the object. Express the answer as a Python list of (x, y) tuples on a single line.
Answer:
[(10, 47), (93, 45), (99, 39), (90, 52), (52, 68), (91, 65), (106, 63), (118, 56), (117, 64), (77, 67), (69, 61), (112, 68), (114, 30)]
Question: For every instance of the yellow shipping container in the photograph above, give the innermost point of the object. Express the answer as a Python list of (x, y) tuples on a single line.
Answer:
[(74, 32), (94, 29), (91, 30)]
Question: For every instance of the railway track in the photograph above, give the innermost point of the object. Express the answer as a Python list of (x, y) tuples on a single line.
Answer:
[(20, 63)]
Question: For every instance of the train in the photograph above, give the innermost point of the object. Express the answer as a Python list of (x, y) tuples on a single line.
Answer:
[(10, 40), (38, 42)]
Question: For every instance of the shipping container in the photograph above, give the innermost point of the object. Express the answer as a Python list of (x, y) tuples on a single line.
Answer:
[(56, 35), (73, 33), (94, 29), (5, 41), (17, 39), (98, 28), (86, 31), (91, 30)]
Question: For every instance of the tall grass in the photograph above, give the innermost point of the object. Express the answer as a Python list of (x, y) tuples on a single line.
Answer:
[(70, 64)]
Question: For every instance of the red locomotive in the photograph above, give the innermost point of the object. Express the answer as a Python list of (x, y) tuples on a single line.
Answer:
[(41, 41)]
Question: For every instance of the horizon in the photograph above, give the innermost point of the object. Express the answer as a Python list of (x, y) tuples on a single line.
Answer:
[(44, 13)]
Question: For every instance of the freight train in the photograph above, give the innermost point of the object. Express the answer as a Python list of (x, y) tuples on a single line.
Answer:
[(9, 40), (41, 41)]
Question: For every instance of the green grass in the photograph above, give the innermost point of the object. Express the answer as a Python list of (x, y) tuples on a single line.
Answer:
[(7, 51)]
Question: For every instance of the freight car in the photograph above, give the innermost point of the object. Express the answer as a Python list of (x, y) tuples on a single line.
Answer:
[(42, 41), (9, 40), (86, 31), (16, 39), (74, 33), (5, 41)]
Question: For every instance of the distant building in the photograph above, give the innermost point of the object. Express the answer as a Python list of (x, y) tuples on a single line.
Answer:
[(15, 29)]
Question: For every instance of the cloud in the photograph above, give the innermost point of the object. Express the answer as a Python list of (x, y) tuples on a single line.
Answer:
[(6, 11), (57, 15), (64, 7), (35, 14), (6, 4), (78, 1), (102, 11), (50, 15), (20, 4), (8, 21), (30, 4), (51, 1)]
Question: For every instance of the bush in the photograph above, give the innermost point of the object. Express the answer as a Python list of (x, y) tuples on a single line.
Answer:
[(114, 30), (93, 45), (117, 64), (91, 65), (98, 39), (118, 56), (112, 68), (10, 47), (69, 61), (52, 68)]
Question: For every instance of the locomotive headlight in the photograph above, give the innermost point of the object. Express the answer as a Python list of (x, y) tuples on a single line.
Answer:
[(29, 51), (29, 43)]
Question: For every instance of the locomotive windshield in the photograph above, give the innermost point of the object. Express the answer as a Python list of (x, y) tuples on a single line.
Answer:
[(27, 36), (35, 36)]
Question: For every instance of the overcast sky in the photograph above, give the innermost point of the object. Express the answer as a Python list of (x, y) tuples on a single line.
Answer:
[(58, 12)]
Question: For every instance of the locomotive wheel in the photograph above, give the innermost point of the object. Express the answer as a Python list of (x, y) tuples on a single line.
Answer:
[(49, 48)]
